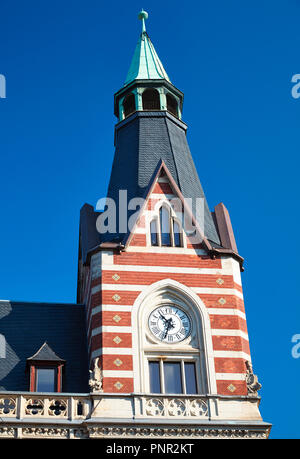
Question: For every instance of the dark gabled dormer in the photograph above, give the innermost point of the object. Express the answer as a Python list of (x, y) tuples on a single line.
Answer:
[(45, 370)]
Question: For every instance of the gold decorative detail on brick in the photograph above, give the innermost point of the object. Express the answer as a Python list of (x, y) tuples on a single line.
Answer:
[(118, 385), (222, 301), (117, 339), (118, 362), (116, 297), (116, 277), (220, 281), (116, 318), (231, 387)]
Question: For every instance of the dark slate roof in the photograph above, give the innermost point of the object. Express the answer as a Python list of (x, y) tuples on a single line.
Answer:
[(45, 353), (26, 326), (142, 140), (89, 236)]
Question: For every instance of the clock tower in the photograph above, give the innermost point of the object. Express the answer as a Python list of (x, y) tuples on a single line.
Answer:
[(160, 277)]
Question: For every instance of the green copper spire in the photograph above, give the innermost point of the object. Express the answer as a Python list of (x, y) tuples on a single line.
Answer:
[(145, 64)]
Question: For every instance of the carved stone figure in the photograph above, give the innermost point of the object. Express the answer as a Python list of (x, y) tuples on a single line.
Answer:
[(95, 380), (251, 380)]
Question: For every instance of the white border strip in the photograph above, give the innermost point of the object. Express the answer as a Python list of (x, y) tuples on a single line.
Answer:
[(117, 374), (165, 269), (226, 312), (199, 290), (115, 351), (110, 329), (167, 250), (230, 376), (229, 332), (232, 355)]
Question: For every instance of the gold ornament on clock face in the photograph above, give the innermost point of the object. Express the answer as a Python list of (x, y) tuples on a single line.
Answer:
[(169, 324)]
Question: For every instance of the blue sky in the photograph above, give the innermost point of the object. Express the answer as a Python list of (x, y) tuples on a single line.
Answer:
[(63, 61)]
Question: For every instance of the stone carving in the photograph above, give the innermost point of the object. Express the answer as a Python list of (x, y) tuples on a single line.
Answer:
[(154, 407), (34, 407), (251, 380), (51, 432), (96, 377), (57, 408), (194, 432), (198, 408), (175, 407), (7, 406), (129, 432)]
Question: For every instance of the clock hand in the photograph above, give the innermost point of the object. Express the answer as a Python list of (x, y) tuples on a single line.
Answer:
[(163, 317), (169, 325)]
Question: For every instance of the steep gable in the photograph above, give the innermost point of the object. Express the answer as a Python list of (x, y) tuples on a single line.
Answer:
[(163, 191)]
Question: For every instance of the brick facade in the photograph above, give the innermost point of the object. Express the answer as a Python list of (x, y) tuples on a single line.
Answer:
[(121, 276)]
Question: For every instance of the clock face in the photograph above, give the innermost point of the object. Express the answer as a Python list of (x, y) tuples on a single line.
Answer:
[(169, 324)]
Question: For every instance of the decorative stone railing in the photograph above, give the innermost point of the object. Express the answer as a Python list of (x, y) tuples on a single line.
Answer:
[(44, 406), (40, 415), (175, 406), (68, 407)]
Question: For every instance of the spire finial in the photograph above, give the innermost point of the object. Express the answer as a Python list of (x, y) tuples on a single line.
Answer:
[(143, 15)]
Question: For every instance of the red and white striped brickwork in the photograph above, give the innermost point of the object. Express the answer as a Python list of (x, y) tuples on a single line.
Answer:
[(115, 280)]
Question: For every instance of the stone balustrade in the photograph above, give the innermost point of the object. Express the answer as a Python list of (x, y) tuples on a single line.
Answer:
[(60, 415), (37, 405)]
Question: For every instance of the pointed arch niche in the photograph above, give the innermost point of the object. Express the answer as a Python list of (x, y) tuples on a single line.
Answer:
[(196, 348)]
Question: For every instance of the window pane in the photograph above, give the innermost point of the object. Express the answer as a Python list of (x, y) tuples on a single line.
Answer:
[(177, 235), (153, 230), (45, 380), (172, 374), (190, 378), (154, 374), (165, 227)]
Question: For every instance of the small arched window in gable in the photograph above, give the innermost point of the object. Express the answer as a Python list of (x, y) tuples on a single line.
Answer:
[(154, 232), (151, 100), (177, 234), (129, 105), (165, 230), (172, 105)]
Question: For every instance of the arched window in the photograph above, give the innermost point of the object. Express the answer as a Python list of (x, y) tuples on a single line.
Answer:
[(165, 230), (177, 235), (165, 233), (151, 100), (173, 333), (154, 232), (129, 105), (172, 105)]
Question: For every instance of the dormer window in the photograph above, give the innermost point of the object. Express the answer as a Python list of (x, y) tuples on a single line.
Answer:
[(151, 99), (45, 369), (46, 379), (165, 230)]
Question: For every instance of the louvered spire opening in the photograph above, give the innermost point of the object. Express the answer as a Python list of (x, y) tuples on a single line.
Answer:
[(172, 105), (151, 100), (129, 105)]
